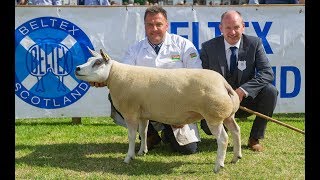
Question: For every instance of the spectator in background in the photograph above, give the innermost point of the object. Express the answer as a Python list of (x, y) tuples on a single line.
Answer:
[(130, 2), (253, 2), (153, 2), (180, 3), (94, 2), (40, 2), (273, 1), (250, 74), (113, 3)]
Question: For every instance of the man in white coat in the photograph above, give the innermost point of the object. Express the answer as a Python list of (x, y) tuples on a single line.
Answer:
[(163, 50), (94, 2), (40, 2)]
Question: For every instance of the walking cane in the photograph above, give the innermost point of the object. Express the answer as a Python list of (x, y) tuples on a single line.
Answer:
[(270, 119)]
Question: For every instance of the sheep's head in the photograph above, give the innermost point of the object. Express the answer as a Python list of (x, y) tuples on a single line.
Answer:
[(96, 69)]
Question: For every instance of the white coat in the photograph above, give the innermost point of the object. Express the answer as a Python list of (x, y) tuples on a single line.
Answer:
[(175, 52)]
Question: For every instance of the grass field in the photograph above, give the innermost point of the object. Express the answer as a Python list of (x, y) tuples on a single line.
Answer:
[(52, 148)]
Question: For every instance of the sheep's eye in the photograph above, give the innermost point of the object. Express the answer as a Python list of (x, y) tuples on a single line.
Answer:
[(97, 63)]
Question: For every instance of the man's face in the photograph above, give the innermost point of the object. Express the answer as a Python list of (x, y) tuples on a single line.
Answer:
[(232, 28), (155, 26)]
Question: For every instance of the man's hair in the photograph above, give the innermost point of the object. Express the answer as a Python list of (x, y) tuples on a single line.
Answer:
[(222, 16), (155, 10)]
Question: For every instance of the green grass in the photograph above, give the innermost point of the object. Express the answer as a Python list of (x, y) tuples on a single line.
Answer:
[(53, 148)]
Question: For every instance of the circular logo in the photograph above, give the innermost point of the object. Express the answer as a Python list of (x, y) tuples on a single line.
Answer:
[(47, 50)]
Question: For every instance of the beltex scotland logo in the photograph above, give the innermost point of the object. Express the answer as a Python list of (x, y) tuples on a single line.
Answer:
[(47, 50)]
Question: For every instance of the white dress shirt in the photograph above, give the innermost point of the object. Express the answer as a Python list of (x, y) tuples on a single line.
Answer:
[(228, 54)]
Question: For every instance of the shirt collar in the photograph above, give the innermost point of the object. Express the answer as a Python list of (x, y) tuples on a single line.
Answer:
[(154, 45), (147, 43), (227, 45)]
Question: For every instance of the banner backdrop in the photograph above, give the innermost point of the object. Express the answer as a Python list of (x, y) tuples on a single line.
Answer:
[(51, 41)]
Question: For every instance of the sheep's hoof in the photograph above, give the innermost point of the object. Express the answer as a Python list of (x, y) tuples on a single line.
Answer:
[(217, 168), (236, 159), (142, 153), (128, 159)]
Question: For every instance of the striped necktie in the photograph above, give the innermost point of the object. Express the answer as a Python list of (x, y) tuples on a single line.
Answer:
[(157, 48), (233, 59)]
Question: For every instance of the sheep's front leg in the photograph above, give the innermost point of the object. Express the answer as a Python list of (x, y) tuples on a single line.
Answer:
[(222, 140), (143, 128), (132, 130), (234, 128)]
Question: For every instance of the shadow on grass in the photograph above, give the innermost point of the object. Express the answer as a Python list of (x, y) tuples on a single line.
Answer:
[(89, 158), (26, 123), (103, 157), (210, 145)]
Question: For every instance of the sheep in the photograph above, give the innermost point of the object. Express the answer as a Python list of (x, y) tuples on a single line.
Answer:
[(170, 96)]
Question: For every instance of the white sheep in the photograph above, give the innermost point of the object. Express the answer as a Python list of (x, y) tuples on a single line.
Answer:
[(171, 96)]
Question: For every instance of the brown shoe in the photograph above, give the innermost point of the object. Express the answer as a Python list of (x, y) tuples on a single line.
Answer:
[(254, 145), (153, 140)]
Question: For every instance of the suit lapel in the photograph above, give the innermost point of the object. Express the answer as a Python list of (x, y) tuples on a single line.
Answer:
[(222, 58), (241, 57)]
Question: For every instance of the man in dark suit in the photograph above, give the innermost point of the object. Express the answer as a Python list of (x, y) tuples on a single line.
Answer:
[(252, 76)]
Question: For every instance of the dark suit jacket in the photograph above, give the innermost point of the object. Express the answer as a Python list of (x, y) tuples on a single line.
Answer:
[(258, 72)]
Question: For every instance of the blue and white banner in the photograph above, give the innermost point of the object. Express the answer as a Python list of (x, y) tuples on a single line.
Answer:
[(51, 41)]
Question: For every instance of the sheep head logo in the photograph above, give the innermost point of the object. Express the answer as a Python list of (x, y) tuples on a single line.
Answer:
[(49, 56)]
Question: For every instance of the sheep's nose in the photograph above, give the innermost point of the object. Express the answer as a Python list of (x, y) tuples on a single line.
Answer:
[(77, 68)]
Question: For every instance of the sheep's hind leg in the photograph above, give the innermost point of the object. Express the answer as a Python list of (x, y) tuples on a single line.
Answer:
[(222, 140), (234, 128), (132, 130), (143, 128)]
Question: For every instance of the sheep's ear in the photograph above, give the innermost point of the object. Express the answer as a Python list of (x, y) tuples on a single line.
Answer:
[(93, 53), (104, 56)]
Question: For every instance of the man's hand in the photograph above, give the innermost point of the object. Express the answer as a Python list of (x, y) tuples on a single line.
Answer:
[(96, 84), (240, 93)]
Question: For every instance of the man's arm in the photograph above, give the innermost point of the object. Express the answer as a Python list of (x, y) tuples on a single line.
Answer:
[(264, 74), (130, 56), (204, 57), (191, 58)]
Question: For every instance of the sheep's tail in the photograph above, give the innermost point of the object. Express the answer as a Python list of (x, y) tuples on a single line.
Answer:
[(234, 97)]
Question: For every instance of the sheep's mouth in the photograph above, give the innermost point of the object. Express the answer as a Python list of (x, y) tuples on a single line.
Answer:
[(77, 74)]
